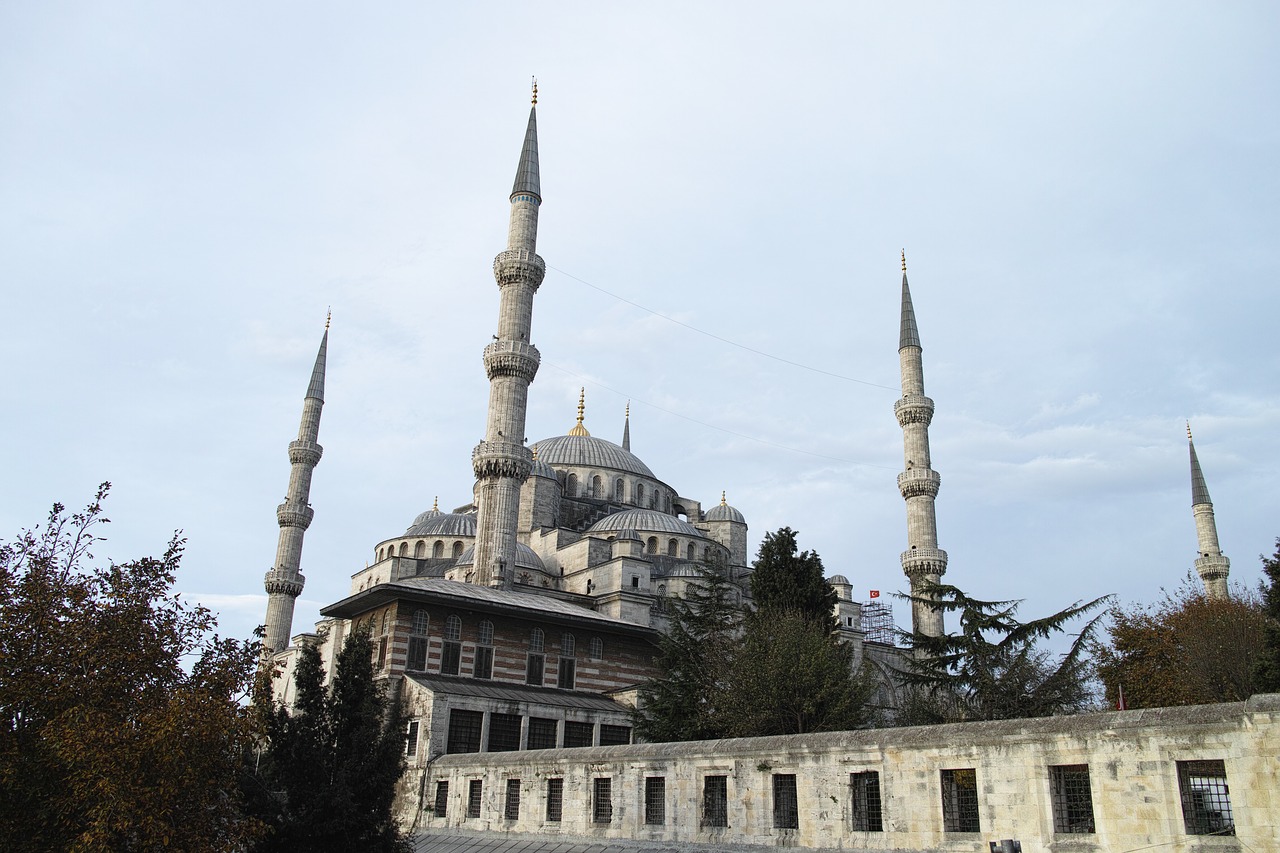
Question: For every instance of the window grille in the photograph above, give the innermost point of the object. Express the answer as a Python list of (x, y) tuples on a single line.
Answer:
[(475, 789), (614, 735), (511, 811), (453, 628), (421, 622), (555, 799), (485, 637), (504, 732), (715, 801), (536, 640), (786, 808), (417, 660), (483, 667), (1206, 800), (464, 731), (567, 674), (442, 798), (602, 800), (864, 799), (533, 669), (411, 739), (1071, 798), (578, 734), (437, 550), (542, 733), (595, 649), (568, 646), (450, 658), (655, 800), (960, 801)]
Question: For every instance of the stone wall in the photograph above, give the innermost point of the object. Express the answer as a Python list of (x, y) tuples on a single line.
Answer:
[(947, 788)]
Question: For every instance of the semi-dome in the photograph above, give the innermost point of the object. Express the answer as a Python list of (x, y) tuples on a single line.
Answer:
[(525, 558), (645, 521), (436, 523), (585, 451)]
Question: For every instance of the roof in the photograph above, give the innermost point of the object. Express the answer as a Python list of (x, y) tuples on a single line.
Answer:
[(527, 178), (585, 451), (525, 557), (724, 512), (436, 523), (511, 692), (910, 335), (316, 387), (646, 521), (1199, 488)]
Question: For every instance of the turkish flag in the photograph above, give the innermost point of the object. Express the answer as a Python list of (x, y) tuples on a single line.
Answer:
[(875, 593)]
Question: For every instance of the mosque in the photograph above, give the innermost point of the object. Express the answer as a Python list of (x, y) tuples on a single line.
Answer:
[(528, 617)]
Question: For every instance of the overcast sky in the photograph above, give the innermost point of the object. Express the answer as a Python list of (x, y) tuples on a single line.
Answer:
[(1087, 195)]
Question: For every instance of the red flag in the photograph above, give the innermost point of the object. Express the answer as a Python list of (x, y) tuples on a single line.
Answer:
[(875, 593), (1120, 703)]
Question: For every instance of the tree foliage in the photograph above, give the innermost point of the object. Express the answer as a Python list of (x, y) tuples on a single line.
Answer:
[(783, 580), (120, 722), (326, 778), (993, 669), (1266, 673), (1187, 649)]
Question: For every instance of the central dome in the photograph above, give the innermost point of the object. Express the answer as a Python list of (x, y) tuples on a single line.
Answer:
[(585, 451)]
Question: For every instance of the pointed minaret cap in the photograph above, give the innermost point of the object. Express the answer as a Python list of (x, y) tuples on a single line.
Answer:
[(578, 428), (1199, 490), (910, 335), (316, 388), (527, 180), (626, 429)]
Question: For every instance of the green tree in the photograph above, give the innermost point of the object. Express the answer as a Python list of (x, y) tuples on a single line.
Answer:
[(326, 778), (783, 579), (121, 726), (693, 658), (1187, 649), (992, 669), (1266, 673)]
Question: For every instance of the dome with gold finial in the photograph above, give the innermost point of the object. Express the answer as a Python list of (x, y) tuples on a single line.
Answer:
[(724, 512), (579, 449)]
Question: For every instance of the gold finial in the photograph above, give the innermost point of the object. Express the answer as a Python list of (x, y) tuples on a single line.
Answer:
[(578, 428), (722, 501), (435, 504), (535, 91), (1189, 431), (904, 260), (327, 318), (534, 451), (628, 414)]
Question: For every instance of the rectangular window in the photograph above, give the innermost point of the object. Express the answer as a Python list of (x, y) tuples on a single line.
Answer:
[(450, 659), (464, 731), (504, 732), (382, 653), (442, 799), (614, 735), (555, 799), (786, 808), (474, 791), (578, 734), (511, 811), (864, 801), (484, 662), (1206, 801), (568, 671), (542, 733), (1071, 798), (411, 739), (715, 801), (602, 800), (533, 669), (655, 800), (417, 654), (960, 801)]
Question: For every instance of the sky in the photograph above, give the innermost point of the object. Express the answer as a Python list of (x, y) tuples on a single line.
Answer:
[(1088, 196)]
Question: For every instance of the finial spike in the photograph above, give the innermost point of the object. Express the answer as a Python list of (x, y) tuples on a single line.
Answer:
[(628, 412), (327, 318), (1189, 431), (578, 428), (535, 91), (722, 500), (435, 504), (904, 260)]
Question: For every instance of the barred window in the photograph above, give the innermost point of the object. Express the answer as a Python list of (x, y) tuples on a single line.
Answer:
[(411, 739), (1071, 798), (485, 635), (568, 645), (453, 628), (474, 791), (864, 801), (786, 808), (567, 674), (555, 799), (715, 801), (442, 798), (452, 654), (421, 622), (595, 649), (511, 811), (382, 654), (1206, 800), (533, 667), (960, 801), (614, 735), (484, 662), (655, 800), (578, 734), (437, 550), (464, 731), (542, 733), (504, 732), (417, 660), (602, 800)]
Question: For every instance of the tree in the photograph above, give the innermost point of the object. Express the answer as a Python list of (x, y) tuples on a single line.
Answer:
[(1266, 672), (785, 580), (1187, 649), (326, 778), (693, 657), (120, 722), (992, 669)]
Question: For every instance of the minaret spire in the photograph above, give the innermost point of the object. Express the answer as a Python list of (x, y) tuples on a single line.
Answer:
[(501, 461), (626, 428), (923, 561), (1211, 565), (284, 582)]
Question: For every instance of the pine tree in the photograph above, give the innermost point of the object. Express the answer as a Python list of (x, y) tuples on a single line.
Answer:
[(784, 580), (1267, 672)]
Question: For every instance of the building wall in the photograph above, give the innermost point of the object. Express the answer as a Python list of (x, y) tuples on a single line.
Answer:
[(1132, 759)]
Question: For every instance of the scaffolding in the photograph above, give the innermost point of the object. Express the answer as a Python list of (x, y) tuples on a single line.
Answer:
[(877, 621)]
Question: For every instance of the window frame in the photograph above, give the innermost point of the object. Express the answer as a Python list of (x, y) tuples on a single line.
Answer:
[(715, 802)]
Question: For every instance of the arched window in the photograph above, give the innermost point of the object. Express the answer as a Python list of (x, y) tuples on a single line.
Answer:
[(453, 628), (381, 555), (451, 656), (571, 486), (417, 660), (617, 490), (421, 623), (485, 636), (484, 651), (597, 487), (457, 550), (595, 649), (568, 646), (420, 550), (671, 547), (437, 550), (537, 641), (404, 549), (690, 552), (639, 494), (653, 545)]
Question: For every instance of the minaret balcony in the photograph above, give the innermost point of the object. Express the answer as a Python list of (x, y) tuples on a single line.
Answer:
[(305, 453), (501, 459), (284, 583), (1213, 567), (924, 561), (917, 482), (913, 409), (294, 515), (511, 358), (519, 266)]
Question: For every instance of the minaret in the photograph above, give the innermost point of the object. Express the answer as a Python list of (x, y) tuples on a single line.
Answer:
[(284, 582), (501, 461), (1212, 567), (923, 560)]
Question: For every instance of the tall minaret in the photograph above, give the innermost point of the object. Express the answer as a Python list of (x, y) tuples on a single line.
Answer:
[(284, 582), (923, 560), (501, 461), (1211, 565)]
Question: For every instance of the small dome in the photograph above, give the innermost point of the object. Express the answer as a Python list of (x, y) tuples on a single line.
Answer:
[(683, 570), (838, 579), (585, 451), (646, 521), (542, 469), (723, 512), (436, 523), (525, 558)]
